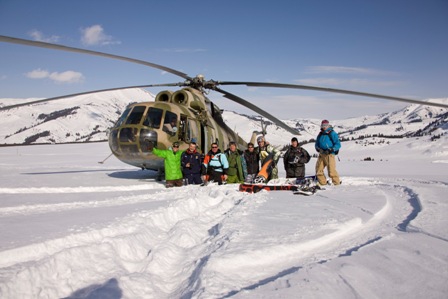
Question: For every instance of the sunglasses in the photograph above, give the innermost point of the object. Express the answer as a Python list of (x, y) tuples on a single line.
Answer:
[(251, 147), (214, 147), (175, 146)]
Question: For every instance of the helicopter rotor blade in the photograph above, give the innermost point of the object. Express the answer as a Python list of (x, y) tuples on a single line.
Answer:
[(20, 41), (258, 110), (333, 90), (87, 92)]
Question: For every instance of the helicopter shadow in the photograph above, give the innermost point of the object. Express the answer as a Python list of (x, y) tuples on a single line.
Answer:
[(117, 173), (68, 171), (134, 174), (108, 290)]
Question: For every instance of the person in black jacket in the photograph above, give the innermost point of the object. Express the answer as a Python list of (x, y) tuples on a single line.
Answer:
[(191, 162), (295, 159), (252, 163)]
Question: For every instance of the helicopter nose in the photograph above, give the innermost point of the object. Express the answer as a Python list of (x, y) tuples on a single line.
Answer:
[(131, 141)]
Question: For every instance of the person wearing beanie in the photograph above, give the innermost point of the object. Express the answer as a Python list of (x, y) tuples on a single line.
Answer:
[(295, 159), (266, 150), (327, 145), (252, 163), (173, 171)]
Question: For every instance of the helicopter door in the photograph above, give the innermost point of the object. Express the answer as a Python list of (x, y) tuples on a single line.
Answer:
[(204, 137), (188, 129)]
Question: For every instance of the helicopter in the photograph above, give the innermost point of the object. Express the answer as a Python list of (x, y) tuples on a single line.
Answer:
[(185, 115)]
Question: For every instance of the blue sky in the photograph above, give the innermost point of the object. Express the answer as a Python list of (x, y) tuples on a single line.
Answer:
[(391, 47)]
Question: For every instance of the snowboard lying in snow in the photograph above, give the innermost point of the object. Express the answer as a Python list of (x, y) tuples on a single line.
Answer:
[(305, 186), (254, 188)]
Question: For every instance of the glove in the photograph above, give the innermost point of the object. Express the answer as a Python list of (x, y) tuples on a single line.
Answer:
[(264, 154)]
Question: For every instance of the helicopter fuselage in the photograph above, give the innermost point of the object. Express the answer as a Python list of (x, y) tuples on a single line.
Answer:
[(183, 116)]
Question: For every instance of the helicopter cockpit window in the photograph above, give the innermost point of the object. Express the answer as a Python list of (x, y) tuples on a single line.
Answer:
[(153, 118), (123, 117), (170, 123), (136, 115)]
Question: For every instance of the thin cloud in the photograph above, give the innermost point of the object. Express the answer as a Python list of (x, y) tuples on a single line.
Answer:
[(39, 36), (347, 82), (95, 36), (183, 50), (37, 74), (63, 77), (67, 77), (346, 70)]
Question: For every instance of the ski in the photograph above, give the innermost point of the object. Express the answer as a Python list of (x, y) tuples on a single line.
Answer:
[(307, 191), (303, 192), (318, 187)]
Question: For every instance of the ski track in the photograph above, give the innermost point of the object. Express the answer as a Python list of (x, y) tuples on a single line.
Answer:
[(188, 239), (59, 207), (40, 190)]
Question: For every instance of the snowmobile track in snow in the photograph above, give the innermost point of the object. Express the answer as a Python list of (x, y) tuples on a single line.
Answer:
[(190, 237)]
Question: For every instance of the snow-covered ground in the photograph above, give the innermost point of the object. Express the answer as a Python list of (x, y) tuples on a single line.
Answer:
[(75, 228)]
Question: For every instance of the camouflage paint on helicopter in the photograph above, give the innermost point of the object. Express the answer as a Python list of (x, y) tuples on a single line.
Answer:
[(182, 116)]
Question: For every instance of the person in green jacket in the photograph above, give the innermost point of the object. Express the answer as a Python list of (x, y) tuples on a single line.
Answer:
[(173, 170), (237, 171)]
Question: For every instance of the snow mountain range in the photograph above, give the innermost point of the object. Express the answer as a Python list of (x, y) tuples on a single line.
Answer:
[(86, 118)]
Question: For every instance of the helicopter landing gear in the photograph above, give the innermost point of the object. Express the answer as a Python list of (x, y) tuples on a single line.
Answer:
[(160, 175)]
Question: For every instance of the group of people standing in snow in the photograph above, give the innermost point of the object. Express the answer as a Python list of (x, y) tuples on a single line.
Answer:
[(237, 166)]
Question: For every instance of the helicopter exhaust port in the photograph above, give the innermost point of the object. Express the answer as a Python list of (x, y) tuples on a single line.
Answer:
[(181, 97), (164, 96)]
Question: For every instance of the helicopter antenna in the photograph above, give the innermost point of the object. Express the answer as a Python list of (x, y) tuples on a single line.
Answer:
[(102, 162)]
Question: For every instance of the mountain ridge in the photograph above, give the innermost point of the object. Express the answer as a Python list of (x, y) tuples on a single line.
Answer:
[(87, 118)]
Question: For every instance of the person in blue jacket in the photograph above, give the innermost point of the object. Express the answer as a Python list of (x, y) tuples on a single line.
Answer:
[(215, 165), (328, 145)]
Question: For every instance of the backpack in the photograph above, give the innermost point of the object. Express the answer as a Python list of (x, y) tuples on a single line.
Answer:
[(210, 159)]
